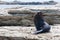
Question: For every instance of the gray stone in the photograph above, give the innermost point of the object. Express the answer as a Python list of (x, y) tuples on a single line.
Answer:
[(25, 33)]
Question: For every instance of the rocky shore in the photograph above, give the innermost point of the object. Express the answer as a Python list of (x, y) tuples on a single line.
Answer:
[(22, 16), (17, 23), (25, 33)]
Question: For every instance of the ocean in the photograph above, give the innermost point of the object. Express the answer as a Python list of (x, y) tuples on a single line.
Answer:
[(11, 6)]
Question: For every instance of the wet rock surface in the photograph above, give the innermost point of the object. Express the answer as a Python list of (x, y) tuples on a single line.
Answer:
[(25, 33)]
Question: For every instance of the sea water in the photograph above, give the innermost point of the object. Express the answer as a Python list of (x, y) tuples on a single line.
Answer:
[(12, 6)]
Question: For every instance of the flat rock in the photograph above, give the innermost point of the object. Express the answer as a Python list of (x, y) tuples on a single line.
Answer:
[(25, 33)]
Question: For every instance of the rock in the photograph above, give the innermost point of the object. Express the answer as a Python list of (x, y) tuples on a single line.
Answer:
[(25, 33), (26, 22), (25, 11), (51, 16)]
